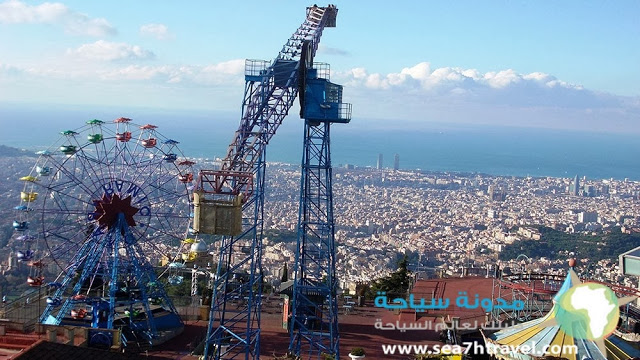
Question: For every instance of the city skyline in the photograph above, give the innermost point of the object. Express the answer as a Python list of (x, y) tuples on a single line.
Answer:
[(567, 66), (145, 204)]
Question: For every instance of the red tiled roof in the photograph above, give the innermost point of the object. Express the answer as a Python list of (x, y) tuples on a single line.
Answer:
[(357, 328)]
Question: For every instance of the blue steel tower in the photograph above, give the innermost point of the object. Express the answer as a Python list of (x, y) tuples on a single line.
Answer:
[(229, 202), (314, 321)]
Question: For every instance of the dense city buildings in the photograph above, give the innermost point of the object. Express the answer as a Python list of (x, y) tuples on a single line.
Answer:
[(447, 224), (451, 220), (446, 221)]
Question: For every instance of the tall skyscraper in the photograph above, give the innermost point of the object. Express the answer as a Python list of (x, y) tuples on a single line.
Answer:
[(379, 165), (396, 162), (587, 217), (496, 194), (576, 186)]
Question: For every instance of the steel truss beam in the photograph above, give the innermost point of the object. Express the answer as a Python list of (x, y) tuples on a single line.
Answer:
[(314, 322)]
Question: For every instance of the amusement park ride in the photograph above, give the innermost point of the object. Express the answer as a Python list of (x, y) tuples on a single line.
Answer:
[(537, 290), (229, 202), (96, 208), (110, 199)]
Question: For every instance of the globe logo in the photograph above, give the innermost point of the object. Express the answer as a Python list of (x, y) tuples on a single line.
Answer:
[(588, 311)]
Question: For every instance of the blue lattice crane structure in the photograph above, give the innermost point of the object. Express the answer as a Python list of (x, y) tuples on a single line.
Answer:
[(229, 202), (314, 321)]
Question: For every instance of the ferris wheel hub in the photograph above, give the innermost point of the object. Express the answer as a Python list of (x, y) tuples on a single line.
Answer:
[(111, 206)]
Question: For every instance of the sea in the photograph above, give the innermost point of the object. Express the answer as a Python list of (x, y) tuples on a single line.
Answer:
[(426, 146)]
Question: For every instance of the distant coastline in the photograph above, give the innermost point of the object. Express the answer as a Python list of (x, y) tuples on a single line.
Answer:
[(498, 151)]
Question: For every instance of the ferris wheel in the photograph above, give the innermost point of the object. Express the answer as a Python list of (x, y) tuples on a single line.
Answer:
[(103, 207)]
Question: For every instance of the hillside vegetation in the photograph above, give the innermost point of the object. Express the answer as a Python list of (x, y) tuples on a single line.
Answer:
[(556, 244)]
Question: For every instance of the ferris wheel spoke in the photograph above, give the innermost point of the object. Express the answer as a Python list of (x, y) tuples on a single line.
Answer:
[(161, 230), (61, 206), (139, 158), (145, 175), (118, 159), (157, 173), (61, 247), (160, 225), (64, 227), (154, 248), (107, 154), (143, 167), (81, 154), (59, 198), (67, 212), (173, 215), (168, 198), (61, 186), (90, 153), (101, 165), (177, 232), (164, 184), (88, 164), (162, 215), (129, 169), (72, 177), (137, 146), (128, 161), (166, 180), (64, 250)]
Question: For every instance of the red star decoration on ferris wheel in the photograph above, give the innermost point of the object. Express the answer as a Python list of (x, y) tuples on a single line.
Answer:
[(110, 207)]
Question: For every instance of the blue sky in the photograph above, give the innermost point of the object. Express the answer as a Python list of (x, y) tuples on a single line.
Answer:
[(553, 64)]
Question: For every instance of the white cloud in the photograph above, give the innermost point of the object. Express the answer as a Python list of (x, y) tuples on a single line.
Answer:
[(230, 67), (538, 76), (420, 71), (228, 73), (137, 72), (34, 72), (358, 73), (411, 95), (17, 12), (502, 79), (422, 93), (111, 51), (421, 78), (217, 86), (327, 50), (158, 31)]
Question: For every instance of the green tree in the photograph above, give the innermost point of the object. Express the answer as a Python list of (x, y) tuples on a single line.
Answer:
[(395, 284), (182, 289)]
